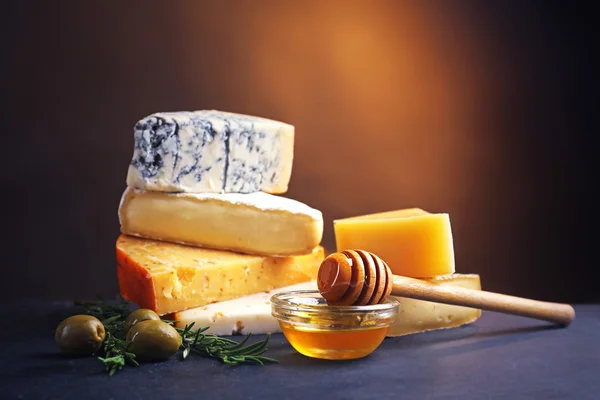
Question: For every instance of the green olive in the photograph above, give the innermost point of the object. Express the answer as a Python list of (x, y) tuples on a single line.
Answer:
[(153, 340), (142, 314), (79, 335)]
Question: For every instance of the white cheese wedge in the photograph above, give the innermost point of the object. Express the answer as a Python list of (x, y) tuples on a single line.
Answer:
[(420, 316), (248, 314), (256, 223), (253, 313), (211, 151)]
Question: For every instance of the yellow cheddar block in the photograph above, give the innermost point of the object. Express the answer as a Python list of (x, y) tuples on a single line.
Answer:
[(168, 277), (413, 242), (420, 315)]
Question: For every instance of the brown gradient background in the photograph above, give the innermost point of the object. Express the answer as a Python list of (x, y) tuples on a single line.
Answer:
[(482, 110)]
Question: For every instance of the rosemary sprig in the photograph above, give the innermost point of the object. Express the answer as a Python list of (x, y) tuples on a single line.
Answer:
[(227, 350), (114, 354), (115, 346)]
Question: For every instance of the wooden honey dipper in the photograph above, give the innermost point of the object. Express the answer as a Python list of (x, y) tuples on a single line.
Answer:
[(357, 277)]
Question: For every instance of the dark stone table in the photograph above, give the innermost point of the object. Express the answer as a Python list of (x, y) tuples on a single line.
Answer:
[(498, 357)]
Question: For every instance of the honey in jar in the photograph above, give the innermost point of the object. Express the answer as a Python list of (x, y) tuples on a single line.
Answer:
[(318, 330)]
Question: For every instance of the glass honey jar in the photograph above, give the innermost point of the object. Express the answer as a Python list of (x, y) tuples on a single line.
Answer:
[(318, 330)]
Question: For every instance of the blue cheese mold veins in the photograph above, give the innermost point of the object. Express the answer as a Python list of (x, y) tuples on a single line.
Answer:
[(211, 151)]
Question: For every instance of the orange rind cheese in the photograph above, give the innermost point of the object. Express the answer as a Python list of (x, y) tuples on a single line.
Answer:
[(168, 277)]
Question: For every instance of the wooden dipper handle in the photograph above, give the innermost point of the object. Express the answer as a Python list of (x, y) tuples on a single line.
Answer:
[(357, 277), (562, 314)]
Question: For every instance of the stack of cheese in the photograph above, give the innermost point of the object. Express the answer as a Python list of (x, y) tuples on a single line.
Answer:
[(416, 244), (205, 236)]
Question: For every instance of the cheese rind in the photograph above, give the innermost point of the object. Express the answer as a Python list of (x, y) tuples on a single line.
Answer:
[(248, 314), (211, 151), (413, 242), (420, 315), (255, 223), (168, 277)]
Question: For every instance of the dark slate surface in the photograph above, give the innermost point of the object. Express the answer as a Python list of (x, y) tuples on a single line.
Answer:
[(499, 357)]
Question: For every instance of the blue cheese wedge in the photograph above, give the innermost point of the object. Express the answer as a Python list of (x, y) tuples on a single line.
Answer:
[(211, 151), (255, 223), (248, 314)]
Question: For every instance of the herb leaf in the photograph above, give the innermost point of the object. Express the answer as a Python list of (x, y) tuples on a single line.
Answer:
[(227, 350), (114, 354)]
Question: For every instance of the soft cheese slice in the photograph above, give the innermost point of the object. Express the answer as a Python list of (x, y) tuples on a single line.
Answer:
[(168, 277), (413, 242), (253, 313), (419, 315), (211, 151), (248, 314), (255, 223)]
